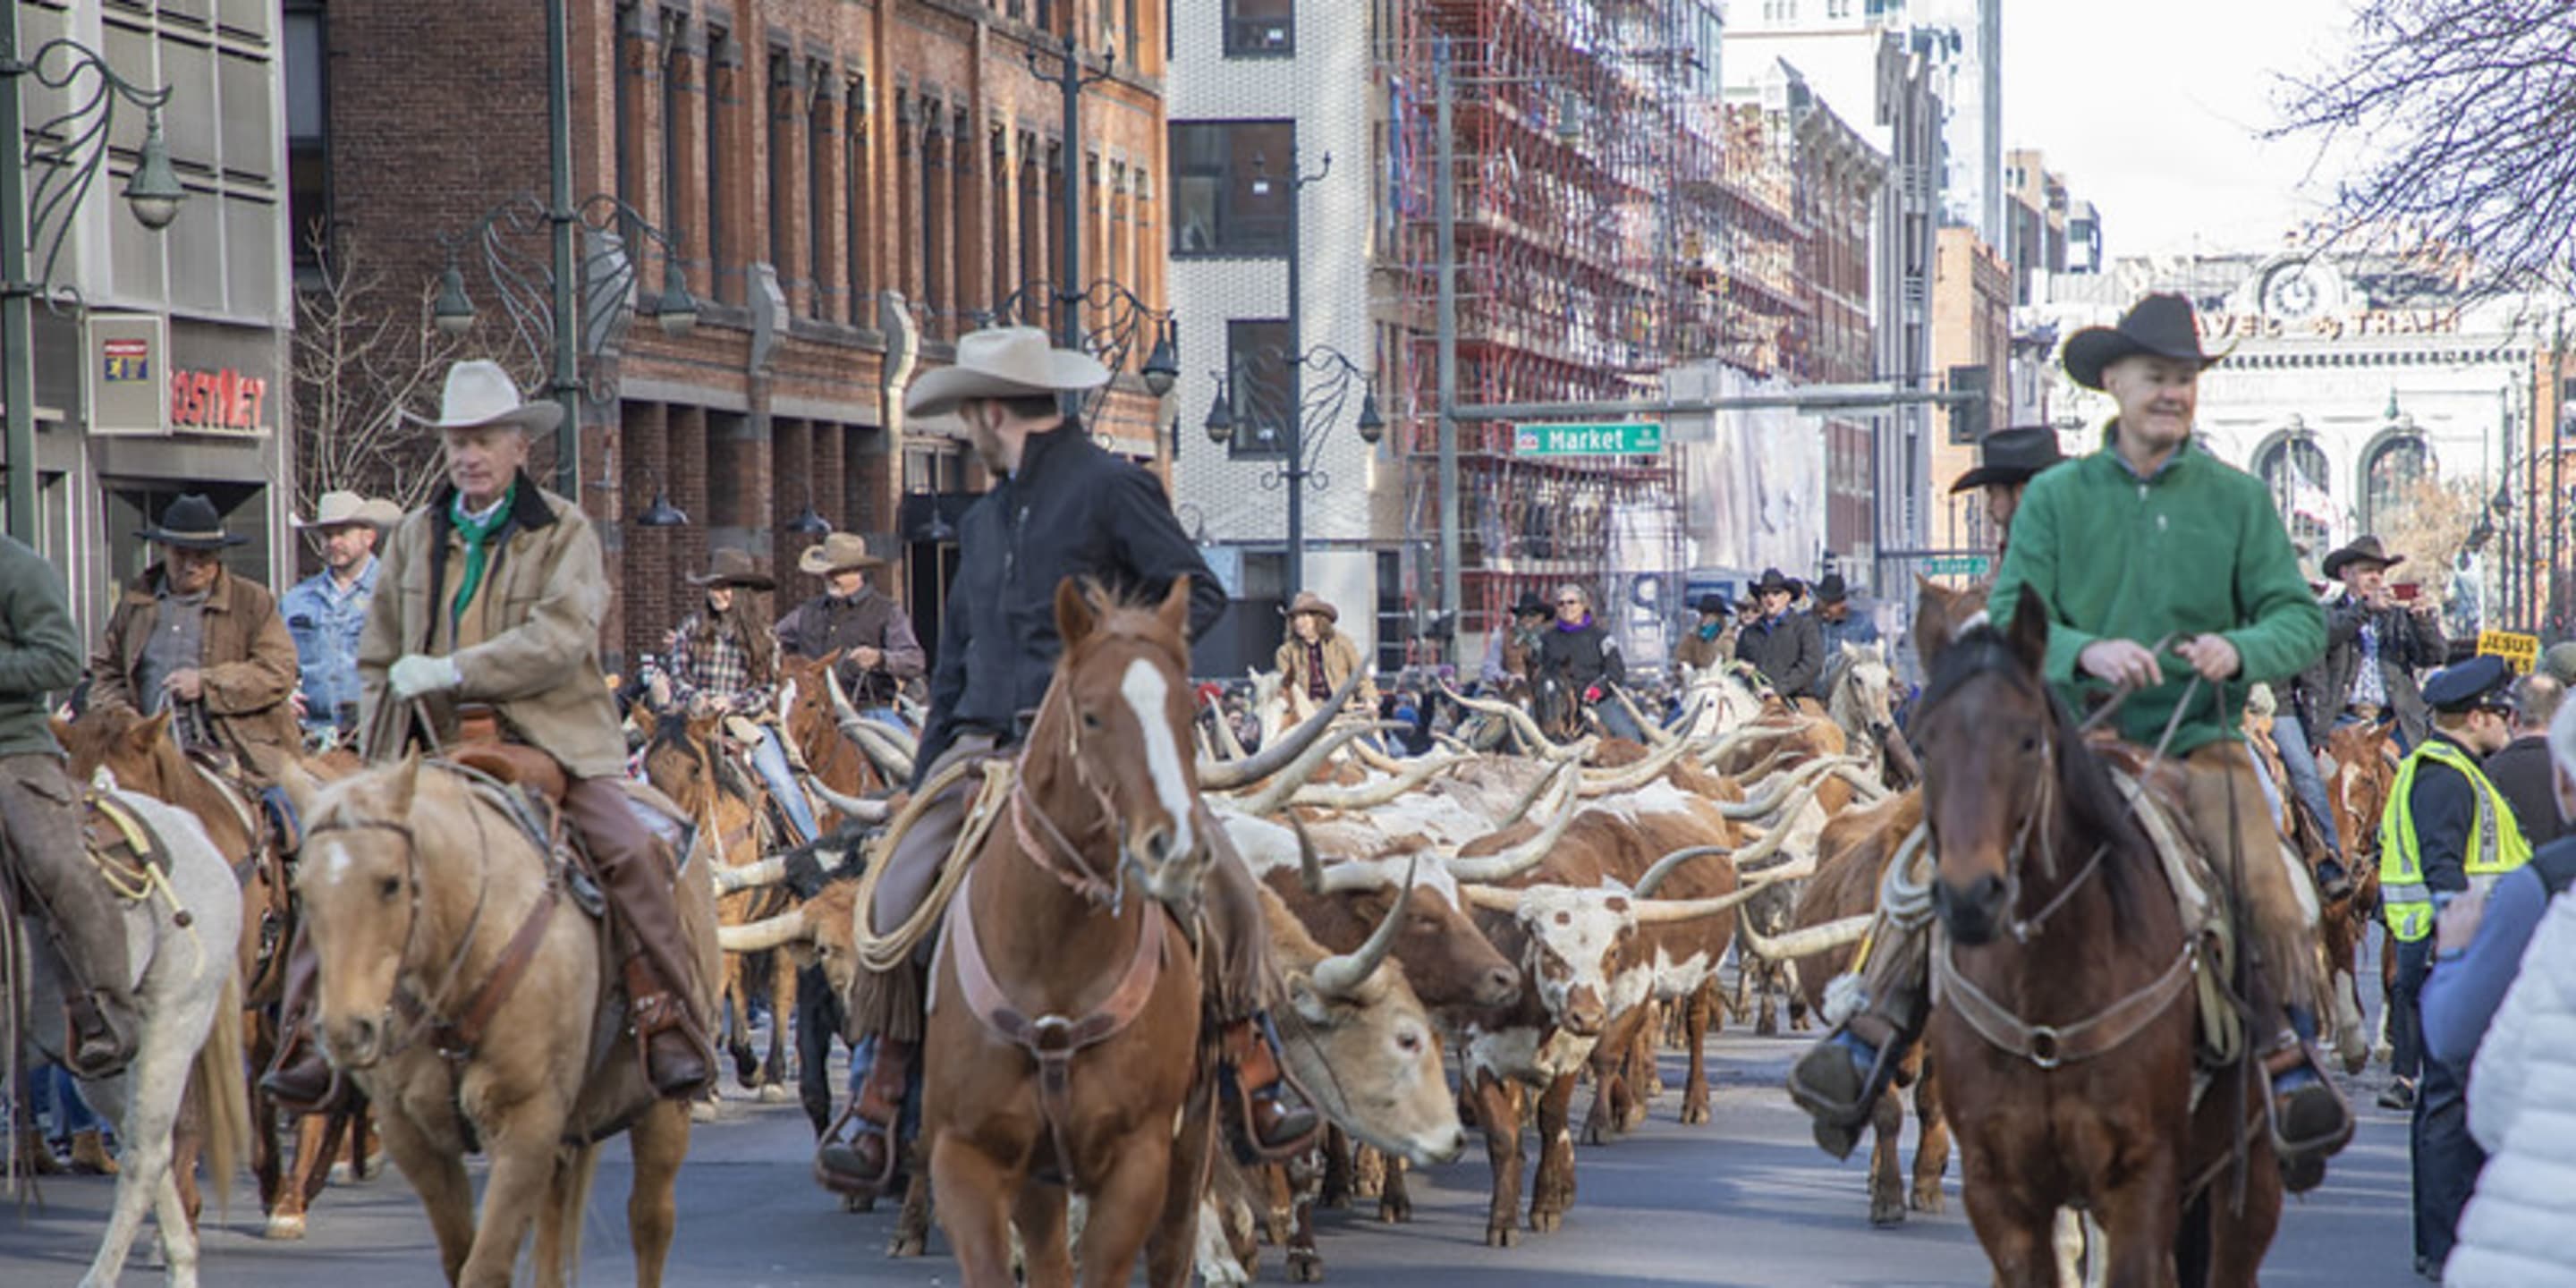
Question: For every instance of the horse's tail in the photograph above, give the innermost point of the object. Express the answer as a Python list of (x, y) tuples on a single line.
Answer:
[(219, 1095)]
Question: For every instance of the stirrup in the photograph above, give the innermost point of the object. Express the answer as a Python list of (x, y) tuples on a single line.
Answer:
[(1831, 1110), (853, 1184)]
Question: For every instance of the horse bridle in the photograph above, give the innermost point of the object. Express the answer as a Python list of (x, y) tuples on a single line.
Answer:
[(1046, 843), (429, 1009)]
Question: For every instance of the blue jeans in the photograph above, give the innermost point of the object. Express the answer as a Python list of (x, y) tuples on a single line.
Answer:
[(2300, 763), (770, 758), (1616, 721)]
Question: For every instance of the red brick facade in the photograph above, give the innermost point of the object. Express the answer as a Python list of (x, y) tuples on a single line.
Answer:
[(837, 150)]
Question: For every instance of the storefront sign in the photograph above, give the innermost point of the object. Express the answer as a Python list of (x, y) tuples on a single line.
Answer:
[(224, 401), (126, 373)]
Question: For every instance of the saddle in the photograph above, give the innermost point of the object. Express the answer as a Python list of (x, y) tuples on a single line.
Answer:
[(2202, 897), (128, 854), (481, 746)]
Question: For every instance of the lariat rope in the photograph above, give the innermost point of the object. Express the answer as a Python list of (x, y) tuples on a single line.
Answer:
[(879, 954)]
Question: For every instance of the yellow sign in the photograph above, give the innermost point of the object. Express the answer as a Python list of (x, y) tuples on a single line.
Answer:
[(2523, 651)]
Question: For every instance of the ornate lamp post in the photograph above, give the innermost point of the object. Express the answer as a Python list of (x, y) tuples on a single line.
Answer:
[(1244, 406), (66, 151)]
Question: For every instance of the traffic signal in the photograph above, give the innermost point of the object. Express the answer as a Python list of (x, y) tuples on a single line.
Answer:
[(1971, 408)]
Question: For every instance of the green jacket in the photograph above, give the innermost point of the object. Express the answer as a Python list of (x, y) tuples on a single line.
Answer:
[(40, 653), (2197, 549)]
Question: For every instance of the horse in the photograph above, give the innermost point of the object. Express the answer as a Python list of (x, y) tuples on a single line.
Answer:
[(1858, 689), (473, 1007), (811, 726), (189, 1047), (2364, 774), (144, 757), (1108, 1093), (2062, 944), (682, 761)]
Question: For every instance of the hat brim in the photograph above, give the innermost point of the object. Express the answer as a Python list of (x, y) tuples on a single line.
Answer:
[(814, 563), (527, 418), (2341, 559), (1996, 476), (192, 540), (747, 581), (2091, 351), (942, 392)]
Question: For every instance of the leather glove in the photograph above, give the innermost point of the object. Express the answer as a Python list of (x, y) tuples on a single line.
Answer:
[(417, 676), (1592, 694)]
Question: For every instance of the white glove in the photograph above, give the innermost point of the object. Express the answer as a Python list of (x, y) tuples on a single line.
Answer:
[(417, 676)]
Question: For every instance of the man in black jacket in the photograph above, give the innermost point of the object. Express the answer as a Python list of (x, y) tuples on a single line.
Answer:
[(2522, 770), (1578, 652), (2375, 645), (1061, 508), (1783, 644)]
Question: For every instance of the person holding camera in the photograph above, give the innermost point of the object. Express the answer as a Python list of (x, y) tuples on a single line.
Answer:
[(2377, 638)]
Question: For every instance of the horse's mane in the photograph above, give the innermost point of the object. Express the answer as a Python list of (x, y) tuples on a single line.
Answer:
[(671, 732), (1130, 613), (2093, 802)]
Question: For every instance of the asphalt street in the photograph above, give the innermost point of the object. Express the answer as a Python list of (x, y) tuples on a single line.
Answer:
[(1745, 1200)]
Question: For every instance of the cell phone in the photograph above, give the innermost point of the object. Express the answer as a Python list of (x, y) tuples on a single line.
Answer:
[(2405, 592)]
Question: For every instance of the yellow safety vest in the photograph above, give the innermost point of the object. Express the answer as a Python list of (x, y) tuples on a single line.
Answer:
[(2495, 843)]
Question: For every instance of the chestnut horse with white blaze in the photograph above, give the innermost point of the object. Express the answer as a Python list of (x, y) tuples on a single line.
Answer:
[(1064, 1041)]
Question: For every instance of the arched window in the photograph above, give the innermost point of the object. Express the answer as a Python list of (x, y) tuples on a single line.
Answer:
[(2294, 470), (2388, 481)]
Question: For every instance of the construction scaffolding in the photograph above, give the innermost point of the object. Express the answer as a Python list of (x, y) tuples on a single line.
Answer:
[(1586, 187)]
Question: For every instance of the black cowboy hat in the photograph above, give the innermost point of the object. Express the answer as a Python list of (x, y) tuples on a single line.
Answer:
[(191, 524), (2009, 456), (1715, 602), (2162, 325), (1832, 589), (1771, 580), (1531, 605), (2364, 549)]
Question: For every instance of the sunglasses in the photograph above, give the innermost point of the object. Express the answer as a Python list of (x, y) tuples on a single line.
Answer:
[(1569, 603)]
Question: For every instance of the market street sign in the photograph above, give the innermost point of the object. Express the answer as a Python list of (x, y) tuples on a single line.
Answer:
[(1956, 566), (1603, 438)]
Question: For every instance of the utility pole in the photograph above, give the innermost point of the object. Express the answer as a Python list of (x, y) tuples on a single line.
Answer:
[(1068, 307), (1445, 212), (17, 305), (559, 213)]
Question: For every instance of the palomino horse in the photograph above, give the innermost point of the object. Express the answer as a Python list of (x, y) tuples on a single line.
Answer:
[(1064, 1040), (475, 1007), (683, 762), (2064, 1025), (190, 1046), (143, 756)]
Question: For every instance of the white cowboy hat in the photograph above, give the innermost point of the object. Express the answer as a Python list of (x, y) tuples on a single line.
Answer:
[(480, 393), (380, 512), (1002, 362), (838, 551), (336, 509)]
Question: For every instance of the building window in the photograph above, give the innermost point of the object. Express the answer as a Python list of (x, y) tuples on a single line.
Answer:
[(2389, 480), (718, 181), (1261, 388), (818, 190), (2294, 470), (934, 214), (1230, 187), (675, 54), (308, 154), (782, 166), (1260, 28), (854, 178)]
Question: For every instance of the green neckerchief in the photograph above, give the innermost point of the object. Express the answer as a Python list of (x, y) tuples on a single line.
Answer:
[(478, 536)]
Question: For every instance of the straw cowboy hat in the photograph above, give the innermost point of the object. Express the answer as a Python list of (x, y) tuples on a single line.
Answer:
[(1002, 362), (732, 568), (839, 552), (480, 393), (1308, 601), (380, 513), (191, 524), (2162, 325), (2364, 549), (337, 510)]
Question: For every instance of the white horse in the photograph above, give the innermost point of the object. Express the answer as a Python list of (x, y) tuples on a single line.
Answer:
[(187, 991)]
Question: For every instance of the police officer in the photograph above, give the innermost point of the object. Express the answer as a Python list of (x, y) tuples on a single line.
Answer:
[(2447, 831)]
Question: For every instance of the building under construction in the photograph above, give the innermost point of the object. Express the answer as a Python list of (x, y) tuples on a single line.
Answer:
[(1587, 186)]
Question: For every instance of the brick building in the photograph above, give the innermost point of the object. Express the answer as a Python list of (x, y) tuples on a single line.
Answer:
[(1972, 296), (847, 188)]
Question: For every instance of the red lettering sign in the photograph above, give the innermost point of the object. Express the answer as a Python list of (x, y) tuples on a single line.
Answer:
[(224, 399)]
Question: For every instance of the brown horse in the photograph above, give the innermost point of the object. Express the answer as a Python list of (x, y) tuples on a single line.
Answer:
[(143, 756), (812, 727), (728, 804), (464, 990), (2064, 1027), (1067, 916)]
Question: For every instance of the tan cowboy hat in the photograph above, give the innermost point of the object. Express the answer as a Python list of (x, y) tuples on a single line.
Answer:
[(733, 568), (1002, 362), (380, 512), (838, 552), (480, 393), (1308, 601), (335, 510)]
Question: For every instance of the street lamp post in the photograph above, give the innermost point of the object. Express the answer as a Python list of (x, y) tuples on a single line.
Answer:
[(1125, 315), (1303, 428), (1069, 81), (70, 147)]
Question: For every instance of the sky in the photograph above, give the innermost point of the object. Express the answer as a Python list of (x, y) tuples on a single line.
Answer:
[(2150, 108)]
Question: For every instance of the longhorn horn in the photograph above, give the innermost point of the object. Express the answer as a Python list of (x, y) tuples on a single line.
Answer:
[(1665, 912), (1405, 778), (859, 808), (773, 870), (1310, 865), (873, 739), (1272, 795), (1524, 856), (1546, 783), (1775, 792), (1490, 898), (1280, 753), (1227, 742), (1807, 941), (1340, 975), (1665, 866), (1632, 777), (1743, 734), (1868, 790), (762, 935), (1520, 721)]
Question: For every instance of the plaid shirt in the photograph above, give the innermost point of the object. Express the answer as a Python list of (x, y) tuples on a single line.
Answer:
[(722, 669)]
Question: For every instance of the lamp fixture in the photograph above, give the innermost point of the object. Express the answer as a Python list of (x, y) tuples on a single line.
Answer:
[(676, 312), (153, 193), (661, 513), (452, 313), (1220, 417), (1372, 426), (1163, 366)]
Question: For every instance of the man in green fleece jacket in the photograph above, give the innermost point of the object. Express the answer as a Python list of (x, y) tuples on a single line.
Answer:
[(2153, 542), (40, 813)]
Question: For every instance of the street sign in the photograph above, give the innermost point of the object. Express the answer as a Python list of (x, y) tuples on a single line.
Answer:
[(1957, 565), (2523, 651), (1598, 438)]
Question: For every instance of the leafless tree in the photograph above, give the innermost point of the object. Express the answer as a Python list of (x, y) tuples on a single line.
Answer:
[(2460, 114)]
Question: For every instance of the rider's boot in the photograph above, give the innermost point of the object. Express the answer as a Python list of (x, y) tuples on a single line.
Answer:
[(2310, 1122), (1268, 1118), (1840, 1078), (83, 918), (299, 1079), (864, 1165), (678, 1059), (2334, 881), (89, 1156)]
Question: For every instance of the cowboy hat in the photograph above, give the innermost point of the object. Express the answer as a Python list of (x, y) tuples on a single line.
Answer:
[(2161, 325), (480, 393), (380, 513), (1771, 580), (1002, 362), (1308, 601), (2009, 456), (191, 524), (1832, 589), (1531, 605), (2364, 549), (1715, 603), (839, 552), (732, 568), (336, 510)]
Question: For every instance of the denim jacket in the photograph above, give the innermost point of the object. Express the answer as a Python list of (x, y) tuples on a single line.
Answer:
[(325, 621)]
